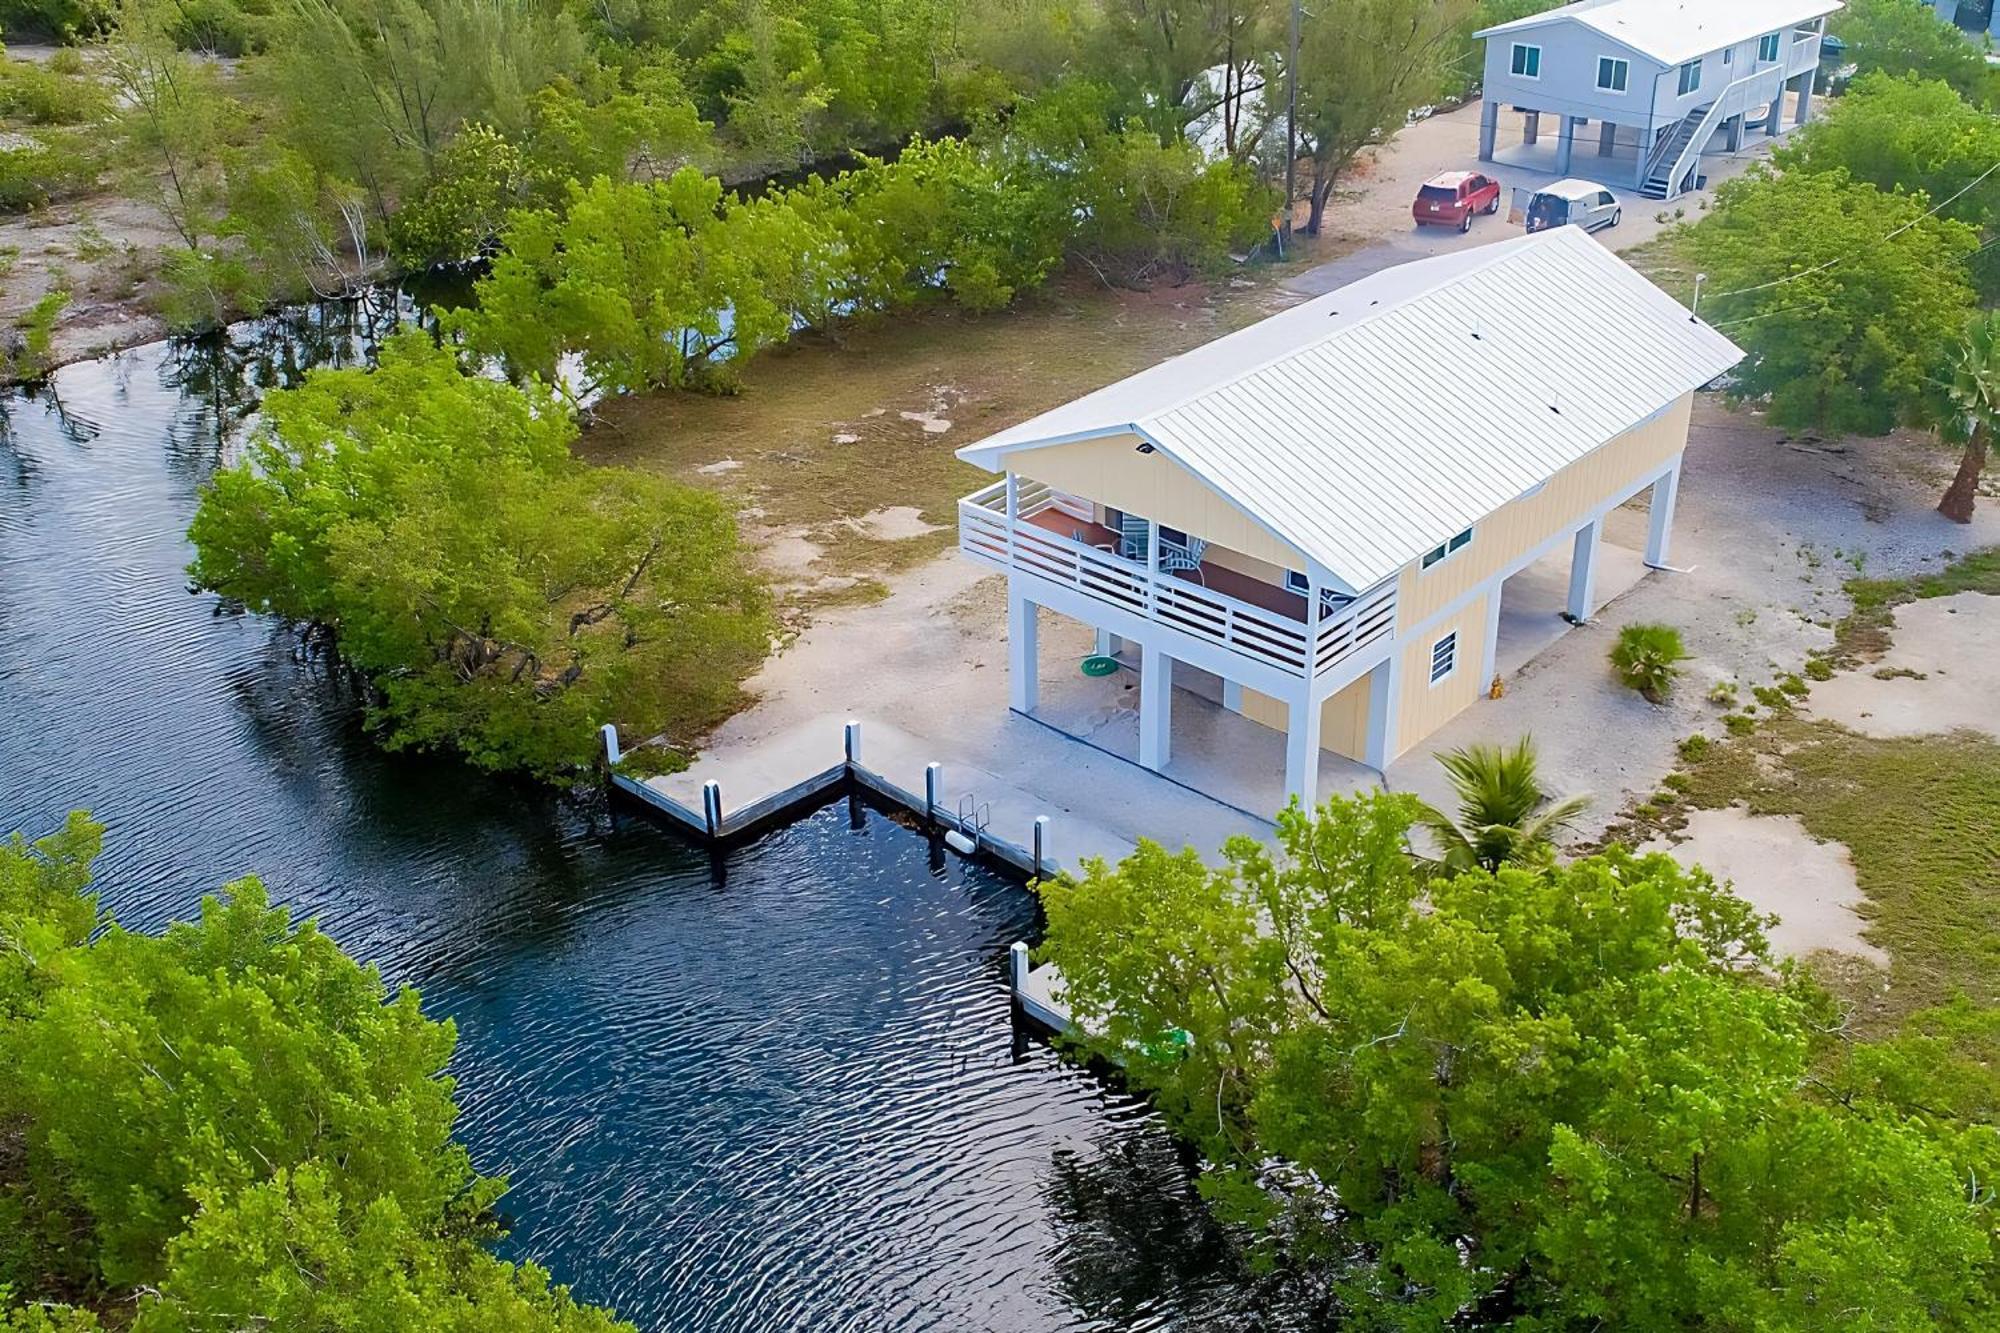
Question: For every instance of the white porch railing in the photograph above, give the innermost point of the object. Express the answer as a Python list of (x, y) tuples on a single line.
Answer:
[(1267, 637)]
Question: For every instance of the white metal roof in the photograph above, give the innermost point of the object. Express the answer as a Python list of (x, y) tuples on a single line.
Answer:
[(1671, 31), (1366, 426)]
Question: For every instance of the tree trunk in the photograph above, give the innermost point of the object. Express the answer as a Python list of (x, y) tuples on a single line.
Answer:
[(1320, 191), (1959, 496)]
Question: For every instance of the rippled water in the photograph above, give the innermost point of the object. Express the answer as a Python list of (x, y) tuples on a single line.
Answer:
[(779, 1090)]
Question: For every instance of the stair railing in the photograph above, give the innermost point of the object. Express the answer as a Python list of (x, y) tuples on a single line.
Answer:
[(1734, 98)]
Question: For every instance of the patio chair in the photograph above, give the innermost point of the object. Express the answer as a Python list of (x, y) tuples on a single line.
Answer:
[(1184, 559), (1134, 534)]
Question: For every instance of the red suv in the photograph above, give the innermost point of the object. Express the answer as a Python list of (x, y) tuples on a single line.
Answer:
[(1451, 198)]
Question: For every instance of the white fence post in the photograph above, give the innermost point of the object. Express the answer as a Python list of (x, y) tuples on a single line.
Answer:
[(612, 754), (852, 740), (1041, 843), (1017, 968), (933, 780)]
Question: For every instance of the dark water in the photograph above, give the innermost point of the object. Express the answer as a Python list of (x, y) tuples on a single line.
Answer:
[(780, 1091)]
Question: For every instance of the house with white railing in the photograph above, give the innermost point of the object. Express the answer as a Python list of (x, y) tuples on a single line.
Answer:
[(1320, 511), (1657, 81)]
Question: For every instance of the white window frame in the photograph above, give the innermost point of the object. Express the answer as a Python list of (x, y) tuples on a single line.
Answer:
[(1448, 645), (1774, 44), (1685, 86), (1298, 583), (1621, 69), (1446, 549), (1521, 57)]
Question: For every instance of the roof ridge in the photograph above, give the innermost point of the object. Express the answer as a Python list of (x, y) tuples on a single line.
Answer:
[(1489, 255)]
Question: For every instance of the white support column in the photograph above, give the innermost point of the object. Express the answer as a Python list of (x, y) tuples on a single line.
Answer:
[(1489, 658), (1660, 510), (1385, 694), (1302, 748), (1583, 570), (1232, 695), (1107, 643), (1156, 707), (1023, 653)]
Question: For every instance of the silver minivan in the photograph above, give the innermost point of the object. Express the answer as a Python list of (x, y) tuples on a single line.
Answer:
[(1585, 203)]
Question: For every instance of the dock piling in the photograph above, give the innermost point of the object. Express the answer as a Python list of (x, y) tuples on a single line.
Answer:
[(933, 781), (612, 754), (1017, 969), (711, 807), (852, 739), (1041, 843)]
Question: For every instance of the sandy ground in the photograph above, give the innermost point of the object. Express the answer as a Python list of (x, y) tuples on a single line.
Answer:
[(1941, 674), (1780, 869)]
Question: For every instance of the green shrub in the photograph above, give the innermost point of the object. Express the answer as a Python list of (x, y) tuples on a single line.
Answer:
[(1792, 685), (1819, 668), (57, 93), (1694, 747), (34, 173), (57, 20), (1648, 657), (1740, 724)]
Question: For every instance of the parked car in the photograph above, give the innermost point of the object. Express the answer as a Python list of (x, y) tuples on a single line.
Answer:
[(1451, 198), (1585, 203)]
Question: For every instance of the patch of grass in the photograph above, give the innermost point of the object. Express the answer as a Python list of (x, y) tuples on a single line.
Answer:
[(1668, 260), (817, 440), (1899, 673), (1739, 724), (1772, 698), (1921, 817), (1792, 685), (1694, 747), (1723, 692), (1819, 668), (1864, 634)]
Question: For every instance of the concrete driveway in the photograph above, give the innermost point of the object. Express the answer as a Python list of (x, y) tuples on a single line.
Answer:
[(1372, 207)]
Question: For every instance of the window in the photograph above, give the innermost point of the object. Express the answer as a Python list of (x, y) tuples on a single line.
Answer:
[(1173, 537), (1527, 61), (1298, 583), (1612, 73), (1458, 543), (1728, 54), (1767, 47), (1444, 657), (1690, 77)]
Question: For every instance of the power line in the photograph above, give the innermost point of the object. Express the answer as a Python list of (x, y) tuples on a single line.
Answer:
[(1820, 268), (1814, 305)]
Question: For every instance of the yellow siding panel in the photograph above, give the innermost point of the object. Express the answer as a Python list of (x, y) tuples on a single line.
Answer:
[(1343, 717), (1426, 707), (1521, 525), (1266, 711), (1343, 721), (1113, 472)]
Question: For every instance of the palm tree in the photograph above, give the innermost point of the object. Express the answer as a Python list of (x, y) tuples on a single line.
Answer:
[(1504, 812), (1973, 410)]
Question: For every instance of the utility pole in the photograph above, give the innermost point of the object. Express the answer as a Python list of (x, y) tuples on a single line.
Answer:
[(1292, 119)]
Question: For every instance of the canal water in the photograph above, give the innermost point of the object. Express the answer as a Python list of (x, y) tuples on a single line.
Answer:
[(774, 1090)]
